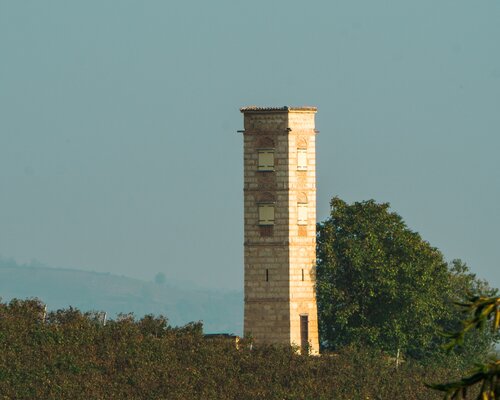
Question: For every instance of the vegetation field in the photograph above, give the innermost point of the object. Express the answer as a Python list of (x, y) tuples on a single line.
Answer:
[(71, 355)]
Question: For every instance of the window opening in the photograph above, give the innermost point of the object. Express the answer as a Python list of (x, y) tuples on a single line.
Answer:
[(302, 159), (302, 213), (266, 160), (266, 214), (267, 275)]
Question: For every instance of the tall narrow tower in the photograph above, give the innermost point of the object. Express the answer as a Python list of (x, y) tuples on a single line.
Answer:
[(280, 226)]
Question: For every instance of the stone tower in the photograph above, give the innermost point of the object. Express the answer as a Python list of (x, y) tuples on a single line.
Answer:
[(280, 226)]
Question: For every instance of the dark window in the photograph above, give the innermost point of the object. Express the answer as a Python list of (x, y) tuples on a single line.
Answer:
[(304, 334), (267, 275)]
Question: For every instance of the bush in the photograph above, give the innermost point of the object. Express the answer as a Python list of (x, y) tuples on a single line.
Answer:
[(72, 355)]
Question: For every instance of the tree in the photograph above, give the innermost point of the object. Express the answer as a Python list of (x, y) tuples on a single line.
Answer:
[(380, 284), (160, 278), (485, 377), (465, 286)]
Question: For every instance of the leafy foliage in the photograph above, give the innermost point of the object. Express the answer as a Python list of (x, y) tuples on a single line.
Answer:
[(380, 284), (482, 310), (68, 354)]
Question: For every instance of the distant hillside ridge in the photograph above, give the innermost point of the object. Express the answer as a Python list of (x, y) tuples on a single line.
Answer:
[(220, 311)]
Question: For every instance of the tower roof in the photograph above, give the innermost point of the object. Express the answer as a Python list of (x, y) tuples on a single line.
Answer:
[(276, 109)]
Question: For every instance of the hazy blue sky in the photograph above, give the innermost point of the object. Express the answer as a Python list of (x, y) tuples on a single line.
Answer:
[(118, 120)]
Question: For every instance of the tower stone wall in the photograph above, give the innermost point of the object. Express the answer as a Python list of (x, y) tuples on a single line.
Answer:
[(280, 226)]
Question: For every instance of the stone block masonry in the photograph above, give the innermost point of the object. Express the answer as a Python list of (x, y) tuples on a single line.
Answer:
[(280, 226)]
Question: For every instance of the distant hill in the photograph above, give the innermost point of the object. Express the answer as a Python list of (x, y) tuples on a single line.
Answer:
[(220, 311)]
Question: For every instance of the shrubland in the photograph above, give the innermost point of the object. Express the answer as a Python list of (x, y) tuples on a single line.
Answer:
[(67, 354)]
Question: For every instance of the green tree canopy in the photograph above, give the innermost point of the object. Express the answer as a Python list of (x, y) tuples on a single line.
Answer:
[(381, 284)]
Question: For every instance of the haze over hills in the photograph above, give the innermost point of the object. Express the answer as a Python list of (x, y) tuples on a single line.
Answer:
[(220, 311)]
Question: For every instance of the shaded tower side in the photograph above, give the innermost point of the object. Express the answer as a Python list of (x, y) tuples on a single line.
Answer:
[(280, 217)]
